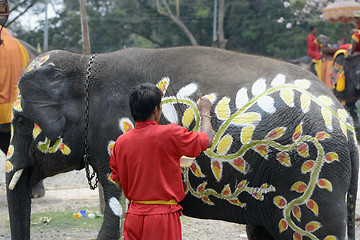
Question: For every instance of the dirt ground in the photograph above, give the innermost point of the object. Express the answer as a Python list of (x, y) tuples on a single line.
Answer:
[(70, 192)]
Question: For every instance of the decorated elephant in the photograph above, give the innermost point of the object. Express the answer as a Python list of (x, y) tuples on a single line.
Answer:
[(284, 159), (345, 82)]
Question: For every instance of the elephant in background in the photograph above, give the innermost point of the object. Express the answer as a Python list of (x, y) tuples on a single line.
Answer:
[(284, 159), (345, 83)]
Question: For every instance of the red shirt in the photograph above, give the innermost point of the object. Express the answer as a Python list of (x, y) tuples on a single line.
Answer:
[(356, 37), (146, 160), (313, 47)]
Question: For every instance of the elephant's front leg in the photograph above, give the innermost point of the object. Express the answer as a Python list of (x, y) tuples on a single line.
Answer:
[(110, 229)]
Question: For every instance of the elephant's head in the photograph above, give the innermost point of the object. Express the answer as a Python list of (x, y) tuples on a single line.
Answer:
[(345, 77), (40, 146)]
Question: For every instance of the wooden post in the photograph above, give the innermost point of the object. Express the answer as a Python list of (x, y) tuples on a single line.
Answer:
[(84, 28), (87, 50)]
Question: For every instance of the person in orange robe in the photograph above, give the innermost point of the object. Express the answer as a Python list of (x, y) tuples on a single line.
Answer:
[(13, 61)]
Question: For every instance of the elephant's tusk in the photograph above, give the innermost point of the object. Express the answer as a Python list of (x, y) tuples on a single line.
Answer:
[(15, 179)]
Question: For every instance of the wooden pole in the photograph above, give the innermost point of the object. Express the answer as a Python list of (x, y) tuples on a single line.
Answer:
[(84, 28), (87, 50)]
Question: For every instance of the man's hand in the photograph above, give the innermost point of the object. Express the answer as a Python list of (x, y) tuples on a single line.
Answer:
[(204, 105)]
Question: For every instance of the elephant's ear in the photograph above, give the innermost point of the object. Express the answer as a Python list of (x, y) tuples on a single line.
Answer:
[(43, 99)]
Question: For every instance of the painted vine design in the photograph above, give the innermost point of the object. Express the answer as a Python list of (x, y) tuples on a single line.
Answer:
[(218, 152)]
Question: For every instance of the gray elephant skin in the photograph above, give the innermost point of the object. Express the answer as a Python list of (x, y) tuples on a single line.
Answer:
[(284, 159)]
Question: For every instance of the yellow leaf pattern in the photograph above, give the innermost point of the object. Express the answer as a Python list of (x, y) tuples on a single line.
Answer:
[(305, 103), (226, 191), (296, 211), (276, 133), (322, 135), (331, 156), (247, 118), (297, 236), (307, 166), (280, 202), (17, 104), (325, 100), (305, 84), (303, 150), (327, 116), (246, 134), (8, 166), (287, 96), (299, 187), (163, 84), (312, 205), (262, 150), (36, 131), (195, 169), (188, 117), (312, 226), (10, 152), (325, 184), (201, 187), (207, 200), (217, 168), (239, 164), (283, 225), (330, 237), (298, 132), (236, 202), (224, 144), (222, 109), (284, 158)]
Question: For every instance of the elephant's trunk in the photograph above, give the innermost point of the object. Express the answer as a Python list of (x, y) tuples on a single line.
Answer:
[(19, 205)]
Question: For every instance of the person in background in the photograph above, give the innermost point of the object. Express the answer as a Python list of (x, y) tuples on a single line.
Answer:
[(355, 47), (313, 48), (146, 165)]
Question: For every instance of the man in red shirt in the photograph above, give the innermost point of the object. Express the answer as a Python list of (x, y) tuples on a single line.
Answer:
[(313, 48), (146, 165), (355, 46)]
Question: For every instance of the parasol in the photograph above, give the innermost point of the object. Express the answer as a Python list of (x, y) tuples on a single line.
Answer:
[(341, 11)]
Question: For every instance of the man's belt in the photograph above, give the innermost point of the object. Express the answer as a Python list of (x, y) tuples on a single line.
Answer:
[(171, 202)]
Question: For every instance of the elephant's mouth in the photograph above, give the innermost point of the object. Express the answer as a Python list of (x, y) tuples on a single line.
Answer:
[(15, 179)]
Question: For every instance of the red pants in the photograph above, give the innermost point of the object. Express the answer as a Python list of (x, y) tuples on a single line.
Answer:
[(153, 227)]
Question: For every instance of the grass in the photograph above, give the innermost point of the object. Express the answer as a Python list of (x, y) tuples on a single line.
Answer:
[(53, 221)]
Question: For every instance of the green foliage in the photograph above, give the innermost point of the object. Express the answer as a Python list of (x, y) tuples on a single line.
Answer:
[(250, 26)]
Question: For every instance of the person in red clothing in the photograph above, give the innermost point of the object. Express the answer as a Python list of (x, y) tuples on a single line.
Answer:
[(313, 45), (146, 165), (313, 48), (355, 46)]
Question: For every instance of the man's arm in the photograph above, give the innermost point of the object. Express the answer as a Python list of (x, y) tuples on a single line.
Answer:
[(204, 105)]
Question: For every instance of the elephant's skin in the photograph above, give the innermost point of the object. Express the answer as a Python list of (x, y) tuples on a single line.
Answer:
[(284, 156)]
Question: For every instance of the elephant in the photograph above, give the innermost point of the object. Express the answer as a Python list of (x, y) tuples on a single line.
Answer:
[(284, 159), (345, 82)]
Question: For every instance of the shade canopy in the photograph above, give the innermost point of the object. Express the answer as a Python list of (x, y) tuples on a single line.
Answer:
[(341, 11)]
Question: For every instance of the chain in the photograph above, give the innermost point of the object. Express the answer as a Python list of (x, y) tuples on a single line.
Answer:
[(86, 116)]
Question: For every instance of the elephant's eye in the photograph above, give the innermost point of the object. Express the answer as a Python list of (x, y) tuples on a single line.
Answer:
[(24, 124)]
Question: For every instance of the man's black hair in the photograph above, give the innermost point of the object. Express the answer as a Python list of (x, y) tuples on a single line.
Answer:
[(143, 99), (312, 28)]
